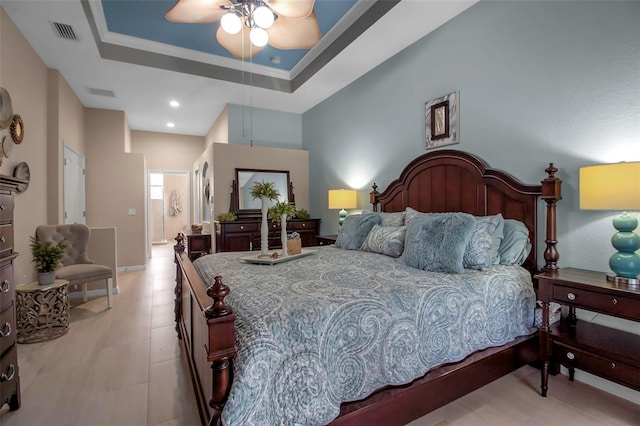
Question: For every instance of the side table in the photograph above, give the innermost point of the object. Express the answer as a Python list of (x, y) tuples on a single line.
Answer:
[(42, 311)]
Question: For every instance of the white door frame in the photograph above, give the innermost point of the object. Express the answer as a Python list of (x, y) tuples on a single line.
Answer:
[(73, 213)]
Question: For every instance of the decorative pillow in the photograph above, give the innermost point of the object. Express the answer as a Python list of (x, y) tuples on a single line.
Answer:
[(387, 240), (515, 245), (482, 247), (436, 242), (392, 219), (355, 229), (410, 214)]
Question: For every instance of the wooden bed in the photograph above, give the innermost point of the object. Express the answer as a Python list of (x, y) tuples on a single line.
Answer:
[(439, 181)]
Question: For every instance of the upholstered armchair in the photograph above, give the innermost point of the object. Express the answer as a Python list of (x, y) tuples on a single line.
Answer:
[(77, 267)]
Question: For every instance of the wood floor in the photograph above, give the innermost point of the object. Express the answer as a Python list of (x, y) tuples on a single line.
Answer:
[(124, 367)]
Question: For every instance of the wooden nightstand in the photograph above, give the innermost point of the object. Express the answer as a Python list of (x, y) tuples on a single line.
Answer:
[(600, 350), (198, 245), (325, 240)]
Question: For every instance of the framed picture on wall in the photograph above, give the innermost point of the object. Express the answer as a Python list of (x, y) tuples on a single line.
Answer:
[(442, 120)]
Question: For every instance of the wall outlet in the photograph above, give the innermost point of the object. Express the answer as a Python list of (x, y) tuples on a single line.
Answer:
[(132, 212)]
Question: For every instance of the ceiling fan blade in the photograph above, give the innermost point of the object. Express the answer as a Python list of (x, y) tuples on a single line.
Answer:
[(292, 8), (197, 11), (238, 44), (295, 33)]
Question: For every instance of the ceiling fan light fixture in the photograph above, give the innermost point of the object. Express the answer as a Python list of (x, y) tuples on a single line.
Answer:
[(263, 17), (259, 37), (231, 23)]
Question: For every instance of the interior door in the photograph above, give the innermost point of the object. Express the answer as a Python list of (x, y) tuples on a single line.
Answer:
[(73, 191)]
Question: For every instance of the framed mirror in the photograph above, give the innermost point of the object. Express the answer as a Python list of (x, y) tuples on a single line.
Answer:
[(243, 205)]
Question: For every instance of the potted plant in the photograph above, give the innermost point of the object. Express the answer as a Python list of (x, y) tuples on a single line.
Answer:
[(47, 257), (265, 191), (227, 217), (280, 212)]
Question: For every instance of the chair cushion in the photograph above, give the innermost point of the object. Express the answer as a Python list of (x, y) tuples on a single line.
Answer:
[(83, 273)]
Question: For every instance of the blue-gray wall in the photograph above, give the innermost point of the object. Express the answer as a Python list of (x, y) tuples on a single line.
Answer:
[(539, 81), (267, 127)]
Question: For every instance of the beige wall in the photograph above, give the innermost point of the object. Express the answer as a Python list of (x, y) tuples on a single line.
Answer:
[(115, 183), (65, 124), (228, 157), (219, 132), (165, 151), (24, 75)]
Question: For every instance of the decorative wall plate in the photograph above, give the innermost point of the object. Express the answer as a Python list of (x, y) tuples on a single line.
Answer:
[(22, 172), (17, 129), (7, 146), (6, 110)]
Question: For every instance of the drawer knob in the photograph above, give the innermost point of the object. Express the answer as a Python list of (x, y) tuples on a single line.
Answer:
[(5, 286), (7, 377), (304, 224), (614, 301), (241, 226), (6, 330), (2, 207), (571, 296), (613, 365), (3, 239), (570, 355)]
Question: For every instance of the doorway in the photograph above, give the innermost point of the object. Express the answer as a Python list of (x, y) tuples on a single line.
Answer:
[(168, 205), (73, 186)]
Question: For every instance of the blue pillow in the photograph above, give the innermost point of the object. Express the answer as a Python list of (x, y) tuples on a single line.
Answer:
[(482, 250), (436, 242), (387, 240), (354, 230), (515, 245)]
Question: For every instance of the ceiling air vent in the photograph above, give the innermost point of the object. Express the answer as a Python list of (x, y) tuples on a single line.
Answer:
[(102, 92), (65, 31)]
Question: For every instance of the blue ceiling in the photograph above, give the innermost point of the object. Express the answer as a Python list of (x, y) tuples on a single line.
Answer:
[(145, 19)]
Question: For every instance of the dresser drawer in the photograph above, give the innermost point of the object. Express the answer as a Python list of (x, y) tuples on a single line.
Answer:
[(241, 227), (596, 301), (6, 208), (619, 372), (8, 374), (7, 328), (7, 287), (300, 226), (6, 239)]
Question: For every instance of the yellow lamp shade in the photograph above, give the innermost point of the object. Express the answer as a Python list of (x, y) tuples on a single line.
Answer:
[(343, 199), (610, 187)]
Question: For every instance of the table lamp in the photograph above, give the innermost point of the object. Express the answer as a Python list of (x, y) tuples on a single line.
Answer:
[(343, 199), (616, 187)]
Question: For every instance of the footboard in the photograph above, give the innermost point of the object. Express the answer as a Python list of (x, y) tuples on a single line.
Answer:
[(206, 327)]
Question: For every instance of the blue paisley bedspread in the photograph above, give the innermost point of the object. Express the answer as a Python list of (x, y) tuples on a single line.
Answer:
[(334, 326)]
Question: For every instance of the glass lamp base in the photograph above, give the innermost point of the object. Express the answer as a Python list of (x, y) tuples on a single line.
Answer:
[(624, 282)]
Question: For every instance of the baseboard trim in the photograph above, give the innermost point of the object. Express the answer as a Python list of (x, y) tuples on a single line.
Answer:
[(131, 268)]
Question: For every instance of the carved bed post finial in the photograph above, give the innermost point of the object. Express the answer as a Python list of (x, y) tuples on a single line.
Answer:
[(218, 291), (179, 246), (373, 197), (551, 194)]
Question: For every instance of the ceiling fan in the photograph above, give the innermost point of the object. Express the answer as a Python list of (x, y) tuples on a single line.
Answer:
[(246, 26)]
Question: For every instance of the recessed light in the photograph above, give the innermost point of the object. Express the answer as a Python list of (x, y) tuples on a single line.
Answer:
[(275, 59), (174, 104), (170, 124)]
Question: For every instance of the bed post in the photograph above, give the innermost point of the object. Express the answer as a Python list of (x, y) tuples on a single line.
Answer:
[(177, 290), (373, 197), (221, 350), (551, 194)]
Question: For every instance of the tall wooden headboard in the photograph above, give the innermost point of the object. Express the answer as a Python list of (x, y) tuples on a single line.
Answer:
[(456, 181)]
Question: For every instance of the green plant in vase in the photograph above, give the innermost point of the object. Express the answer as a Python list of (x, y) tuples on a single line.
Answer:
[(47, 257), (265, 191), (303, 214), (227, 217), (280, 212)]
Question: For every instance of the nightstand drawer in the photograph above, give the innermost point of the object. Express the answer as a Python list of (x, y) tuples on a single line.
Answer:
[(617, 371), (596, 301)]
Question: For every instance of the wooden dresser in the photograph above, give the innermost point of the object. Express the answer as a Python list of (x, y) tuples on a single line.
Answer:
[(9, 373), (244, 235), (598, 349)]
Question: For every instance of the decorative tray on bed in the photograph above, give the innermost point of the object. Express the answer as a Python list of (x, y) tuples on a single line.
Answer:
[(272, 261)]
